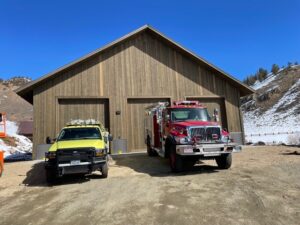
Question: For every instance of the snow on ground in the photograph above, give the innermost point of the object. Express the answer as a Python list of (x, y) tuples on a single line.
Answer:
[(24, 145), (269, 79), (264, 127)]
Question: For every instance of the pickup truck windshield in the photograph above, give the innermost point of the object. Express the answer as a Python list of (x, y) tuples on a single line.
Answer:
[(199, 114), (79, 133)]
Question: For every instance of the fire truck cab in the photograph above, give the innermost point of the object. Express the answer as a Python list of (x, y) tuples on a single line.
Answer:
[(186, 133)]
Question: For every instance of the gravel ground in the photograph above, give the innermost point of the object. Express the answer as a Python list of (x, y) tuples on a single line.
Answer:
[(262, 187)]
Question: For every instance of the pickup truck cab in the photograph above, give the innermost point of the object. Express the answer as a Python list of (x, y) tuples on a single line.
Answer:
[(80, 148)]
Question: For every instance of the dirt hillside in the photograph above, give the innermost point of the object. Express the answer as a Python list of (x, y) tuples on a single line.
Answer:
[(16, 108)]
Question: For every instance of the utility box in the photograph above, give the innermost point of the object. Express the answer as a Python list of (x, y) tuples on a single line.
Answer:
[(119, 146), (41, 150)]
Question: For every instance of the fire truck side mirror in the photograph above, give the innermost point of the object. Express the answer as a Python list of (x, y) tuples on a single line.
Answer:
[(167, 120), (167, 117), (1, 117)]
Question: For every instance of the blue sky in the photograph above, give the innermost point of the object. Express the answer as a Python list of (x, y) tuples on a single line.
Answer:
[(37, 37)]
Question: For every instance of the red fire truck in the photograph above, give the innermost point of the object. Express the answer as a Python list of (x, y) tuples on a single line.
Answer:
[(186, 133)]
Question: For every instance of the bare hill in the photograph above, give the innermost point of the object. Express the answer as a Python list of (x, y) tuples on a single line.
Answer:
[(16, 108)]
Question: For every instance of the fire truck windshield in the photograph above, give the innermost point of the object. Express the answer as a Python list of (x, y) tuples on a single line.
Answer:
[(183, 114)]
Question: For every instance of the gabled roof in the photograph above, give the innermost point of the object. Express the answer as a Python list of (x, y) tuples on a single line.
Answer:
[(26, 91)]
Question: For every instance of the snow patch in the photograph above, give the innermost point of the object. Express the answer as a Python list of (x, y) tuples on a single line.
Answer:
[(274, 126), (24, 145), (259, 84)]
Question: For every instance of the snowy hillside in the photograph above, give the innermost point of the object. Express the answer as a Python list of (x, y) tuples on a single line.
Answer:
[(272, 115), (14, 145)]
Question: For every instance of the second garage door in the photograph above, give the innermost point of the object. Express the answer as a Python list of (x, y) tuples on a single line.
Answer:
[(136, 118), (70, 109)]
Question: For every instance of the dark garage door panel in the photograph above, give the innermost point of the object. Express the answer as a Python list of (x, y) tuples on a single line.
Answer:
[(136, 121), (211, 104), (70, 109)]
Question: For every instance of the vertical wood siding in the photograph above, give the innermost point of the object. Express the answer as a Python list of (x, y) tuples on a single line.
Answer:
[(143, 66)]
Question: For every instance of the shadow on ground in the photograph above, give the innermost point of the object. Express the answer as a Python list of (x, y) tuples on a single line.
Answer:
[(36, 177), (291, 153), (157, 166)]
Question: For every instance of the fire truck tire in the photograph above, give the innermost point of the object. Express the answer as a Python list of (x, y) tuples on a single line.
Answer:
[(224, 161), (151, 152), (176, 161), (104, 171)]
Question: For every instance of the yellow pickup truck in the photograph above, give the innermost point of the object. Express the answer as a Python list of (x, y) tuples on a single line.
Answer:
[(80, 148)]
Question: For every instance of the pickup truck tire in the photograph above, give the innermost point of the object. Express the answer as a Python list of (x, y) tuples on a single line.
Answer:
[(176, 161), (224, 161), (50, 176), (104, 171)]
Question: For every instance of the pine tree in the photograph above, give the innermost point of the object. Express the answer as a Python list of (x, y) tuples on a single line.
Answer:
[(275, 69)]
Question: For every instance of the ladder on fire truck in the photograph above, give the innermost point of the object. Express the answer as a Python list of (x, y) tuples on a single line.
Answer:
[(154, 109)]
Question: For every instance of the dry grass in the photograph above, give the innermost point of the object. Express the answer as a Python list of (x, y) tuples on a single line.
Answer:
[(10, 141)]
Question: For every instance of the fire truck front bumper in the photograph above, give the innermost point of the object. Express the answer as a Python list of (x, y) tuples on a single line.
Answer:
[(207, 150)]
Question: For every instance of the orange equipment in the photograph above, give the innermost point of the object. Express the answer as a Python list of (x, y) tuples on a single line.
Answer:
[(1, 162), (2, 125)]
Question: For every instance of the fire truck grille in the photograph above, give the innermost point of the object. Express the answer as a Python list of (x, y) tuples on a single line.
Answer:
[(206, 134)]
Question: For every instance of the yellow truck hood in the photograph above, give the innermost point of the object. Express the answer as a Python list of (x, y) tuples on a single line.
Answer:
[(77, 144)]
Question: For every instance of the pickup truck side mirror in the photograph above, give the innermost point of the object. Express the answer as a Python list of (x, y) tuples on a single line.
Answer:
[(50, 141), (110, 137)]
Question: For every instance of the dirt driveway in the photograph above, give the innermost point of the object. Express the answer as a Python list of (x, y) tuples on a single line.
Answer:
[(262, 187)]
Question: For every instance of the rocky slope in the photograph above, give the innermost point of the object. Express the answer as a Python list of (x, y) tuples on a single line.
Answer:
[(272, 114), (16, 108)]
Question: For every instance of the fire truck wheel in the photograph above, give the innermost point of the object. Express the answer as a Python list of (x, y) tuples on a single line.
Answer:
[(176, 161), (151, 152), (224, 161)]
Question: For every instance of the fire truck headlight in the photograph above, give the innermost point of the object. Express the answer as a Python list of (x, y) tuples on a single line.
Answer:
[(182, 140), (225, 139)]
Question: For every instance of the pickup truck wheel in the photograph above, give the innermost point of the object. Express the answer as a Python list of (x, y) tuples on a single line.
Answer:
[(224, 161), (176, 161), (50, 176), (104, 171)]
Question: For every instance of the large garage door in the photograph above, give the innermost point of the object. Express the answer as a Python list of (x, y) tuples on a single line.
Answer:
[(136, 119), (211, 104), (70, 109)]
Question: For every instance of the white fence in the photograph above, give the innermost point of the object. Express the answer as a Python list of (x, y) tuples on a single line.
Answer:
[(273, 133)]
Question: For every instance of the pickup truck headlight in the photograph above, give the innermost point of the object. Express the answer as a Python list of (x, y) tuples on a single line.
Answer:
[(100, 151), (51, 155)]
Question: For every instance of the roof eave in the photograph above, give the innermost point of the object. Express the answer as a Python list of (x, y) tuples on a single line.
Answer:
[(245, 90)]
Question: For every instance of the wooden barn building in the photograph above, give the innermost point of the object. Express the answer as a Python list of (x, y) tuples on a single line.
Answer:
[(115, 83)]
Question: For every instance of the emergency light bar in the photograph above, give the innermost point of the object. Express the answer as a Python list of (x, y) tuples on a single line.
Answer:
[(177, 103), (80, 122)]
